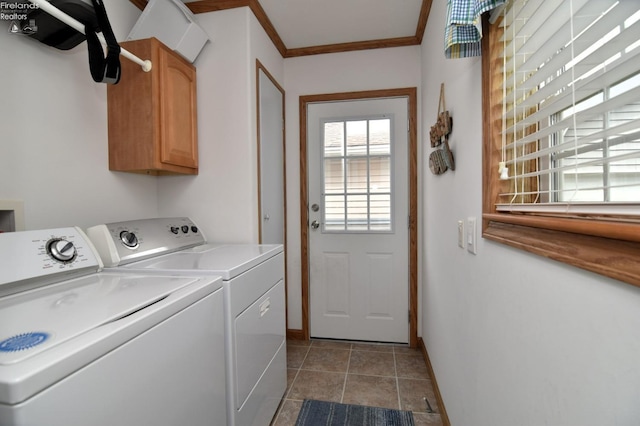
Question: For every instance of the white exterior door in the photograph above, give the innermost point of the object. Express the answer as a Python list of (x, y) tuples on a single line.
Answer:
[(358, 217)]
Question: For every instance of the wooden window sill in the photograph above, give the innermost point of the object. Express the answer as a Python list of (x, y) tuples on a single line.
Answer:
[(610, 257)]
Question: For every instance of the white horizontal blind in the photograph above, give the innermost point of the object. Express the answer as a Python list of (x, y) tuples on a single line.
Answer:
[(571, 111)]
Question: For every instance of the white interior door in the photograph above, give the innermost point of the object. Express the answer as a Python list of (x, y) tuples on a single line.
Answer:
[(271, 133), (358, 214)]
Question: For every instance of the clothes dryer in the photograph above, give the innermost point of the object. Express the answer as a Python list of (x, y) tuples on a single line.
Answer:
[(254, 300)]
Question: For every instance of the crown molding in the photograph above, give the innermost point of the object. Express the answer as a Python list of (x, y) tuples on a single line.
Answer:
[(204, 6)]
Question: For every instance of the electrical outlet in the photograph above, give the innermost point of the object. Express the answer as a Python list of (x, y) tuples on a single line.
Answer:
[(471, 235), (461, 233)]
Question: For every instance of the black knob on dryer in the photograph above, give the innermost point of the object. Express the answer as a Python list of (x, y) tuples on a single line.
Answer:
[(129, 239)]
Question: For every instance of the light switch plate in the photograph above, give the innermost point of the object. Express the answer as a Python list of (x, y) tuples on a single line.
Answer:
[(471, 235), (461, 234)]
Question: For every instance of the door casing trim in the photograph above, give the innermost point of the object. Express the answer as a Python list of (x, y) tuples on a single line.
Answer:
[(412, 99), (261, 67)]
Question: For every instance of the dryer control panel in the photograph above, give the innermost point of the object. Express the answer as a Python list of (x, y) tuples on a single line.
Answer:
[(30, 259), (120, 243)]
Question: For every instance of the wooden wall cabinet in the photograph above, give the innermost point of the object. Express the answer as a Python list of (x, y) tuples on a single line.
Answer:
[(152, 115)]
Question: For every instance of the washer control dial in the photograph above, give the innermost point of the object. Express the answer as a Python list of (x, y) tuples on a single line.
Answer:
[(129, 239), (61, 250)]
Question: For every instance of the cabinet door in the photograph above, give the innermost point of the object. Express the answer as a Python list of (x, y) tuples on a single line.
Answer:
[(178, 129)]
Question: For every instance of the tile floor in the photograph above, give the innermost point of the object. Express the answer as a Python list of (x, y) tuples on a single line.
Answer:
[(379, 375)]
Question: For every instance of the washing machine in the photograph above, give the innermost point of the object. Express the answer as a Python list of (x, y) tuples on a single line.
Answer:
[(254, 300), (79, 346)]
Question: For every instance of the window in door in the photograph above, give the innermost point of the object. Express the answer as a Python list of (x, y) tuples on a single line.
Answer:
[(356, 175)]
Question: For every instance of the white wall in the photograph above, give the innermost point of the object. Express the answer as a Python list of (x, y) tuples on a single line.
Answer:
[(54, 149), (53, 135), (330, 73), (222, 198), (514, 339)]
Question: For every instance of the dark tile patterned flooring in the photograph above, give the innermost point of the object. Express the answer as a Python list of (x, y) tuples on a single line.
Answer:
[(379, 375)]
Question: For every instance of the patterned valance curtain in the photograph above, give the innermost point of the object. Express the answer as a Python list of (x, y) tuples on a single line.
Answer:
[(463, 29)]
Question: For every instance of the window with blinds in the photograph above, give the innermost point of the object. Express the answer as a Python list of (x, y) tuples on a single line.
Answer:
[(570, 122)]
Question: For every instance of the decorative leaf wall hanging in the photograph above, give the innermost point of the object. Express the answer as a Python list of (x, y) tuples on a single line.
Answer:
[(442, 158)]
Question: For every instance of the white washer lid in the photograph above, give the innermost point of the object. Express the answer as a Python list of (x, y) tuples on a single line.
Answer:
[(227, 260), (48, 333)]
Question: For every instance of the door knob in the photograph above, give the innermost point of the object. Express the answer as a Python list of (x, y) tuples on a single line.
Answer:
[(315, 224)]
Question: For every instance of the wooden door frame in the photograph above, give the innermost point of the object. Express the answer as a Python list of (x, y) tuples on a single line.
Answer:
[(261, 67), (412, 98)]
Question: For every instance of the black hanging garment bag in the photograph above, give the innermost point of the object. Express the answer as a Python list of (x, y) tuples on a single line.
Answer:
[(92, 14), (55, 33)]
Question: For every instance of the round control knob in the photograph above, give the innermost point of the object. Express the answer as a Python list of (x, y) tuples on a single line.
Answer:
[(129, 239), (175, 229), (185, 229), (62, 250)]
